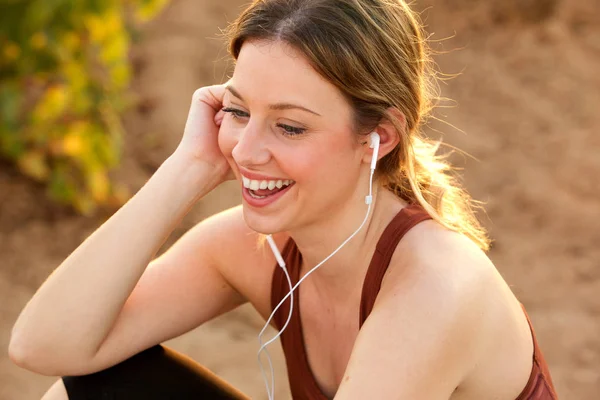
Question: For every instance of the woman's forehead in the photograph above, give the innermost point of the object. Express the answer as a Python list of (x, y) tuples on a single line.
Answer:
[(275, 72)]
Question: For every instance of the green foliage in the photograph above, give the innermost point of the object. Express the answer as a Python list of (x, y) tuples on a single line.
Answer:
[(64, 77)]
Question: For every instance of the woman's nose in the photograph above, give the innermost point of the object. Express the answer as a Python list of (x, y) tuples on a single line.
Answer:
[(251, 147)]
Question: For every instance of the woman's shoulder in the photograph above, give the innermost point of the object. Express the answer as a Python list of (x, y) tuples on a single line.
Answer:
[(448, 284), (438, 253), (443, 264), (431, 313), (245, 263), (441, 278), (229, 231), (227, 225)]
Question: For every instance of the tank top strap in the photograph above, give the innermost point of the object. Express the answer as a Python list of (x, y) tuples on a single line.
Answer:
[(539, 385), (407, 218)]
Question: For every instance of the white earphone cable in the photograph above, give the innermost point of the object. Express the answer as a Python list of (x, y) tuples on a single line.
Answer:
[(281, 262)]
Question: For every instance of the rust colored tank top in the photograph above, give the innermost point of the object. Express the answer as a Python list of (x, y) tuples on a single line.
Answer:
[(302, 382)]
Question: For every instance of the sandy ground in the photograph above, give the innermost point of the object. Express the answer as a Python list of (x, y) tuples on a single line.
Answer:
[(526, 100)]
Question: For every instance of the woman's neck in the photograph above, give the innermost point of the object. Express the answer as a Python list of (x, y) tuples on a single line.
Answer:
[(345, 270)]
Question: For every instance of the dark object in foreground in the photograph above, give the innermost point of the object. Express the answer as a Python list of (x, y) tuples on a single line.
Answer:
[(158, 373)]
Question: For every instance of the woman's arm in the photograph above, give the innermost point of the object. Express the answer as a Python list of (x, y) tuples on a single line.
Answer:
[(72, 313)]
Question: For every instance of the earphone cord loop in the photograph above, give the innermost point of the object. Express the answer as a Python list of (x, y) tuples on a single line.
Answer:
[(263, 347), (368, 200)]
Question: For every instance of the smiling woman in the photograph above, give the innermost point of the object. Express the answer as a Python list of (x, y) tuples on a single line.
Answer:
[(409, 307)]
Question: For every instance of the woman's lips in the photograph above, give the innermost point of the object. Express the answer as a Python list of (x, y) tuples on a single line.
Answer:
[(265, 201)]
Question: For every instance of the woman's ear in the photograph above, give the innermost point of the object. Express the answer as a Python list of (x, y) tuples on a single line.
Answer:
[(388, 134)]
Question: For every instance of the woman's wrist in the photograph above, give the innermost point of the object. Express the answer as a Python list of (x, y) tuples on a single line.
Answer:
[(193, 179)]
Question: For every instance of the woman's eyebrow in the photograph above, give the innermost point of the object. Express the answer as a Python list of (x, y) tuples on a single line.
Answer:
[(278, 106)]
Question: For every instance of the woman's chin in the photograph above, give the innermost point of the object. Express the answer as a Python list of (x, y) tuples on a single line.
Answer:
[(263, 224)]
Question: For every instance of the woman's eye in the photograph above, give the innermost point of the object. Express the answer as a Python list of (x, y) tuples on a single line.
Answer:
[(291, 130), (287, 129), (235, 112)]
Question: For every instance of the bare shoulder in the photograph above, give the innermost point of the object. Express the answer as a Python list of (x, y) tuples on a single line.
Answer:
[(232, 240), (245, 263), (452, 269), (447, 285), (436, 257), (443, 283), (430, 322)]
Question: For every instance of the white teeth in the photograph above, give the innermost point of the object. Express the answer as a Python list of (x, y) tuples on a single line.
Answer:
[(264, 184)]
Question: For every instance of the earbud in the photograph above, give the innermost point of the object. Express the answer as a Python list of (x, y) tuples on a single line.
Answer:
[(375, 139), (375, 146)]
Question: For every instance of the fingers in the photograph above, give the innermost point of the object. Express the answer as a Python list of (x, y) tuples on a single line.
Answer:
[(206, 103), (219, 117), (211, 96)]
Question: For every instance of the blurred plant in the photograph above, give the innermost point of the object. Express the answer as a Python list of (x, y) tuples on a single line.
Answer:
[(64, 77)]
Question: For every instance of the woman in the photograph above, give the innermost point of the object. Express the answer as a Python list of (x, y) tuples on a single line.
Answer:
[(411, 308)]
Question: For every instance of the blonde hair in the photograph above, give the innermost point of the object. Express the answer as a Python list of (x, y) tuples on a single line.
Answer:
[(376, 54)]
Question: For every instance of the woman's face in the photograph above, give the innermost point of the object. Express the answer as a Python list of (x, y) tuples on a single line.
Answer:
[(284, 121)]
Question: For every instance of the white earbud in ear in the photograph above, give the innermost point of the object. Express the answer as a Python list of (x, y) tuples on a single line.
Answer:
[(375, 146)]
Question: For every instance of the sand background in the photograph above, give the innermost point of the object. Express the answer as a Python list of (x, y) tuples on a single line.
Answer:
[(527, 105)]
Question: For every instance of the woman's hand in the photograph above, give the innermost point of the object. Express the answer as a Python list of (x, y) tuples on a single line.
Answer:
[(200, 137)]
